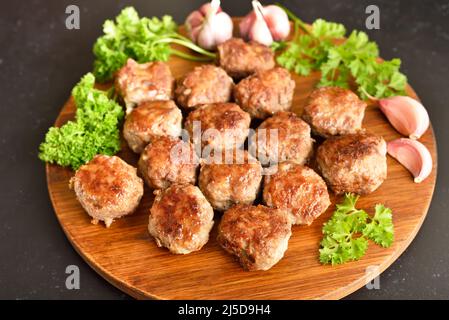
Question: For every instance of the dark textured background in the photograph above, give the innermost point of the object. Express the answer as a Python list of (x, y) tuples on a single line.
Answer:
[(40, 61)]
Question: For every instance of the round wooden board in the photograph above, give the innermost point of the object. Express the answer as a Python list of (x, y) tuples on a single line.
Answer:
[(127, 256)]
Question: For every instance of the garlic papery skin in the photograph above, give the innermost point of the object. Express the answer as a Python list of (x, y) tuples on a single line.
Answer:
[(413, 155), (275, 19), (406, 115), (209, 26)]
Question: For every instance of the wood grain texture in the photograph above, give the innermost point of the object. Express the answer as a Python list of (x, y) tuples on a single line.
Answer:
[(127, 256)]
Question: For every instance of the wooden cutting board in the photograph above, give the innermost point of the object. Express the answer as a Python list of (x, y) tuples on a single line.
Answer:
[(126, 255)]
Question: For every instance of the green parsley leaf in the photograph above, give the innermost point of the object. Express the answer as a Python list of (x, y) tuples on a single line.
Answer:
[(339, 243), (324, 29), (143, 39), (380, 229), (95, 129), (289, 59), (345, 234), (338, 252), (131, 36), (341, 62)]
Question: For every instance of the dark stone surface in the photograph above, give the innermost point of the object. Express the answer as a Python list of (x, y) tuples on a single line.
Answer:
[(40, 61)]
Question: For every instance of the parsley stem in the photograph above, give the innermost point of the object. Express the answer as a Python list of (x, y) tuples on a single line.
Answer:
[(189, 56), (178, 36), (187, 44), (295, 36), (367, 94)]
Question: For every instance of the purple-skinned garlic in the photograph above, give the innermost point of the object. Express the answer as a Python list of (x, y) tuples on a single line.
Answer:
[(209, 26), (413, 155), (265, 24), (406, 115)]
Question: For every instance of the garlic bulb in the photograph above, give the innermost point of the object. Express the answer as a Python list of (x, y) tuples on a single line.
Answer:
[(413, 155), (265, 24), (406, 115), (209, 26), (259, 30)]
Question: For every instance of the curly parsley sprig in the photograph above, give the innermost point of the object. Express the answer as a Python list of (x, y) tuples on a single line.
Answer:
[(322, 47), (143, 39), (95, 129), (346, 234)]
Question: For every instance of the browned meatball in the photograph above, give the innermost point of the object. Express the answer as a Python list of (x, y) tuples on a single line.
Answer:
[(257, 236), (280, 138), (180, 219), (138, 83), (265, 92), (227, 180), (107, 188), (353, 163), (334, 111), (297, 189), (222, 125), (168, 160), (151, 120), (241, 59), (204, 84)]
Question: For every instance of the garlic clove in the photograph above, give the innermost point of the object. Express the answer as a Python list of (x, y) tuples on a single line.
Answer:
[(205, 8), (246, 24), (259, 30), (406, 115), (277, 21), (224, 24), (261, 33), (209, 25), (193, 24), (206, 36), (275, 18), (413, 155)]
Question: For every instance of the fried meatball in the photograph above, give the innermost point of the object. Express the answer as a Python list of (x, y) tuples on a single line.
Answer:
[(223, 125), (166, 161), (265, 92), (297, 189), (257, 235), (281, 138), (204, 84), (227, 180), (334, 111), (353, 163), (138, 83), (180, 219), (107, 188), (241, 59), (151, 120)]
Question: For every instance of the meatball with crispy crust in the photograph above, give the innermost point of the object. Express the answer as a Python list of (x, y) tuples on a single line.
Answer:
[(241, 59), (204, 84), (256, 235), (334, 111), (151, 120), (107, 188), (283, 137), (265, 92), (219, 126), (180, 219), (353, 163), (297, 189), (230, 179), (166, 161), (138, 83)]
